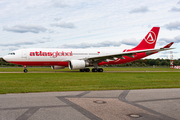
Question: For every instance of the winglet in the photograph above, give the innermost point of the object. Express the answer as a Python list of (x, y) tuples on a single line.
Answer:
[(168, 45)]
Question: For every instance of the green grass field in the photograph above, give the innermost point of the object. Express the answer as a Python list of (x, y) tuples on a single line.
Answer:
[(76, 81), (46, 69)]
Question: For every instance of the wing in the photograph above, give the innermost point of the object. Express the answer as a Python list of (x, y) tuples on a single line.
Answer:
[(129, 54)]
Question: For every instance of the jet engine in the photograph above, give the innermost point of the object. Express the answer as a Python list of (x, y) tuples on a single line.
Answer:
[(78, 64), (57, 67)]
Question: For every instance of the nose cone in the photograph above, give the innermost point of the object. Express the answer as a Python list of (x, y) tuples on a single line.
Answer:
[(4, 58)]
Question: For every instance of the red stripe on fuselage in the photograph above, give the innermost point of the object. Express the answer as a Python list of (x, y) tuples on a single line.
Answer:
[(40, 63)]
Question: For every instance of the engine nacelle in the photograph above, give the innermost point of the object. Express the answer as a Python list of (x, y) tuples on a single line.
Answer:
[(57, 67), (77, 64)]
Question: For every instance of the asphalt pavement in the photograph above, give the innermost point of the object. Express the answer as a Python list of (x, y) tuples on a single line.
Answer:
[(150, 104)]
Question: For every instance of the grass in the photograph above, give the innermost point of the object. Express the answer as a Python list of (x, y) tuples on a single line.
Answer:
[(20, 69), (76, 81), (46, 69)]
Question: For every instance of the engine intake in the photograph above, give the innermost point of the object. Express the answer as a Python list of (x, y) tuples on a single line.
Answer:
[(77, 64)]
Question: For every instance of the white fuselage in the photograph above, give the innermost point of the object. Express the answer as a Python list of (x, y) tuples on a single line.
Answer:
[(52, 55)]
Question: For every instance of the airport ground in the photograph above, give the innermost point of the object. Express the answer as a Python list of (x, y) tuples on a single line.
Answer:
[(36, 81), (149, 104), (117, 100)]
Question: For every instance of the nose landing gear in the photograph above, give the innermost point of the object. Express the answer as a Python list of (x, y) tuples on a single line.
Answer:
[(25, 70)]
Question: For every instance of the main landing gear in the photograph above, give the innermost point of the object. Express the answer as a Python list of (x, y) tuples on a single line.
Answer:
[(97, 70), (25, 70), (93, 70)]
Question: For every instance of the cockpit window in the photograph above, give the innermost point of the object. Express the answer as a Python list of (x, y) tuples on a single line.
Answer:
[(11, 53)]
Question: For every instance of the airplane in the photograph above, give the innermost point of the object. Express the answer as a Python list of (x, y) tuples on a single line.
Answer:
[(82, 58)]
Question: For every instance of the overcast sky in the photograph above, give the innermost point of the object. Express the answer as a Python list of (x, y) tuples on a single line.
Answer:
[(107, 24)]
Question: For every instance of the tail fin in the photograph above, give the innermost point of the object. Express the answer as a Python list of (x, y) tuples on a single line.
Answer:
[(149, 41)]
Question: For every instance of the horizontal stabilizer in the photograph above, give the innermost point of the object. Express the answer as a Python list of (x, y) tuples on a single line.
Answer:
[(168, 45)]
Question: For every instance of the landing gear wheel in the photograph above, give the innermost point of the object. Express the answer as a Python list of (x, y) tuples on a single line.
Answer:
[(25, 70), (86, 69), (81, 70), (100, 70), (97, 70), (94, 70)]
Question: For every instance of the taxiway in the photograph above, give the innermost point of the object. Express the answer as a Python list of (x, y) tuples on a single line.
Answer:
[(150, 104)]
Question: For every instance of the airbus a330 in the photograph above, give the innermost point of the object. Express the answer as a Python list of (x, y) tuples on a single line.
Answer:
[(82, 59)]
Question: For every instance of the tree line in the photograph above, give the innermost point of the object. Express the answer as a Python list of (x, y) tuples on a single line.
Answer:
[(148, 62), (137, 63), (6, 64)]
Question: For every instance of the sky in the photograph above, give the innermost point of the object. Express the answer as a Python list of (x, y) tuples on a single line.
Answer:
[(108, 24)]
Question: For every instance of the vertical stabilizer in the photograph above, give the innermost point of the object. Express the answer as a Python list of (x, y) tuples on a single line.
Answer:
[(149, 40)]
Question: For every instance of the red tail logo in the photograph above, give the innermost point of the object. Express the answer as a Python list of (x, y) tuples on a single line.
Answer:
[(149, 40), (151, 37)]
